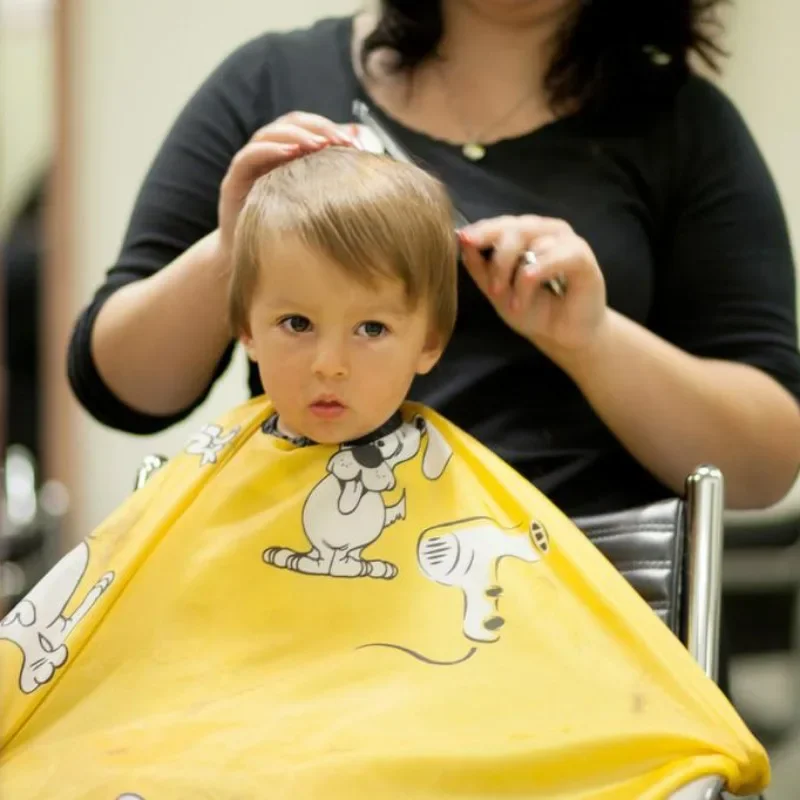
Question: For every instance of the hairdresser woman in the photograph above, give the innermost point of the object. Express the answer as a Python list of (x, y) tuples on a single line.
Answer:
[(570, 128)]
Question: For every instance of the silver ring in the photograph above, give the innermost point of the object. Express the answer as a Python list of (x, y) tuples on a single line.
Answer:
[(528, 259), (558, 286)]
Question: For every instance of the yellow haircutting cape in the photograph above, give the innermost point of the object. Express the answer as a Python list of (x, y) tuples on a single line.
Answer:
[(400, 618)]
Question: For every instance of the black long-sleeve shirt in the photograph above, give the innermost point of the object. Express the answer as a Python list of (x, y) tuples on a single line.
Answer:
[(678, 206)]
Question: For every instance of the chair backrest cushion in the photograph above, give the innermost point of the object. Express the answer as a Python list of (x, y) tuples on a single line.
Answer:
[(646, 544)]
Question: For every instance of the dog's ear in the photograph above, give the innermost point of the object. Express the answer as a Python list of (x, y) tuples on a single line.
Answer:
[(437, 451)]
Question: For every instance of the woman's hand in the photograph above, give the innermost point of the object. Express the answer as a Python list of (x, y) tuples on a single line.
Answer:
[(517, 291), (288, 137)]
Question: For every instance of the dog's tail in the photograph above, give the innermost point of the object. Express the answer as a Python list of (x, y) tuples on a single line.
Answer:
[(420, 657)]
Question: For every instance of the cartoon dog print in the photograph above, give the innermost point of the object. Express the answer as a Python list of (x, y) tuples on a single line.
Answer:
[(209, 443), (346, 512), (467, 555), (37, 624)]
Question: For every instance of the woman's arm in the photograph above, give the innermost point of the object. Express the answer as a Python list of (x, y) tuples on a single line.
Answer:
[(671, 410), (674, 411), (715, 377), (156, 342)]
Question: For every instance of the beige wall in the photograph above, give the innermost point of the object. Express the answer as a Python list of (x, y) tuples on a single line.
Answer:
[(763, 77), (26, 100), (136, 61)]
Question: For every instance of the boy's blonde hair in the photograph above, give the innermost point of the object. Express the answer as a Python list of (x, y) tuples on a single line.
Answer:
[(375, 217)]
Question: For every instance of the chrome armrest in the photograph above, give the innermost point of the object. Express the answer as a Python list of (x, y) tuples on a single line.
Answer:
[(705, 505), (709, 788)]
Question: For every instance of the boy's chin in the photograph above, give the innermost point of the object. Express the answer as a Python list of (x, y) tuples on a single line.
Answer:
[(339, 434), (345, 428)]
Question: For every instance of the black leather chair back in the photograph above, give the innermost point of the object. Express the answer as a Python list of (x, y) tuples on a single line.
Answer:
[(646, 545)]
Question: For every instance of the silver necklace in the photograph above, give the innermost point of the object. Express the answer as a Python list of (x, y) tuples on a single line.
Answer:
[(472, 149)]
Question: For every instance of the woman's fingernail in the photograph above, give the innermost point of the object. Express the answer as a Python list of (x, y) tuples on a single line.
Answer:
[(530, 268)]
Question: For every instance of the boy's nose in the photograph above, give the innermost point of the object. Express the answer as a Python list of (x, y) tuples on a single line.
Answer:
[(331, 362)]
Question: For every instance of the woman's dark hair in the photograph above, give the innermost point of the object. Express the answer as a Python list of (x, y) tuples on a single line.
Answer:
[(610, 53)]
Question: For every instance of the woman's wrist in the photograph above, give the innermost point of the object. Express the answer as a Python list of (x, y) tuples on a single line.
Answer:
[(578, 362)]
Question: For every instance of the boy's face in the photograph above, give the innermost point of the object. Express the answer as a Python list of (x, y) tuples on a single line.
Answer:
[(336, 358)]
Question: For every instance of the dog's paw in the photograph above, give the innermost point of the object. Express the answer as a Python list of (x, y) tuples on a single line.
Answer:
[(395, 512), (24, 614), (277, 556), (293, 562), (381, 569), (105, 581)]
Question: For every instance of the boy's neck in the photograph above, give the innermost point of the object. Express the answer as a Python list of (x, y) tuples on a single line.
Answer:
[(285, 432), (391, 425)]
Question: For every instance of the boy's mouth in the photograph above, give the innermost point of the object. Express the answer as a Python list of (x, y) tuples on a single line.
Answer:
[(328, 407)]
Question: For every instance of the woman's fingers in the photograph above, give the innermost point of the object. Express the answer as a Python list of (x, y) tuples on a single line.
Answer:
[(503, 236), (529, 278), (532, 279), (477, 266), (486, 232), (311, 124), (528, 253), (286, 133), (295, 134), (509, 238), (287, 137), (257, 158), (247, 166), (504, 262)]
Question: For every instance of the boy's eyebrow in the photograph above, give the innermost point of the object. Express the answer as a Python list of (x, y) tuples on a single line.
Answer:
[(399, 308), (282, 302), (395, 307)]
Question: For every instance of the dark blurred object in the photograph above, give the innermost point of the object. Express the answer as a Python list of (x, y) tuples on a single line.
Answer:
[(30, 514), (761, 578), (29, 525), (22, 257)]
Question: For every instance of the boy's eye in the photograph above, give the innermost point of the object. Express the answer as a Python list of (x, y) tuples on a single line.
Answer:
[(296, 323), (372, 329)]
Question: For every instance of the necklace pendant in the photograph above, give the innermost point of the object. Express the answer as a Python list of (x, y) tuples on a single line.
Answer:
[(473, 151)]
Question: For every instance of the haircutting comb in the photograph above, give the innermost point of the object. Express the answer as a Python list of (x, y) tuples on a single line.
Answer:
[(396, 151)]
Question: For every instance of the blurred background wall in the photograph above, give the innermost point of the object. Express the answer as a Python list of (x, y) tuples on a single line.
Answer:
[(26, 99), (762, 77)]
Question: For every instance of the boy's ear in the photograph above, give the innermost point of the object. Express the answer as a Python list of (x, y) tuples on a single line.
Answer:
[(431, 352), (247, 342)]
